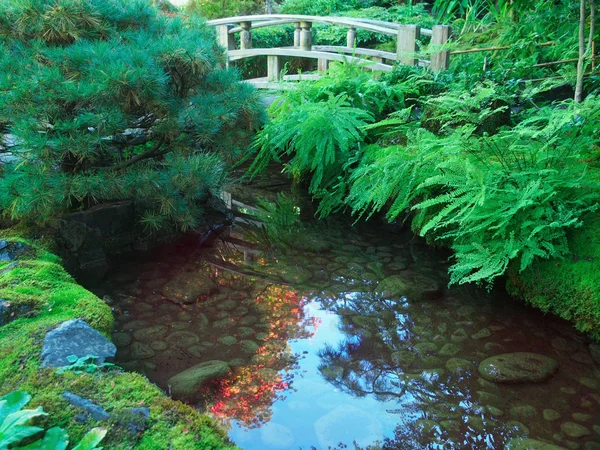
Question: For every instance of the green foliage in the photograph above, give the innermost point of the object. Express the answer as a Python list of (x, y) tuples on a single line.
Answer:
[(212, 9), (492, 199), (86, 364), (14, 428), (318, 137), (70, 94)]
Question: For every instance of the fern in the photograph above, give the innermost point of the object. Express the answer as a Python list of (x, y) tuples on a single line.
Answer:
[(491, 199), (317, 137)]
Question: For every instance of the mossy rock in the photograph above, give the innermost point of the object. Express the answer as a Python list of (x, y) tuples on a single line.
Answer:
[(249, 346), (41, 277), (185, 385), (570, 287), (530, 444), (518, 367)]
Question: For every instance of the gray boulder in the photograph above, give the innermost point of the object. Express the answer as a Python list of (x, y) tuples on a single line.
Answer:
[(74, 337), (519, 367)]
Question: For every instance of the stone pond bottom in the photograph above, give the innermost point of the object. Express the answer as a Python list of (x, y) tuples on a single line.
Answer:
[(354, 337)]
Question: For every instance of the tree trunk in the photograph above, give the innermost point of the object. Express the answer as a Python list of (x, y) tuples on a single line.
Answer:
[(581, 60), (269, 6)]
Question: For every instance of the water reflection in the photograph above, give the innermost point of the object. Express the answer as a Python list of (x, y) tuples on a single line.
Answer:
[(348, 336)]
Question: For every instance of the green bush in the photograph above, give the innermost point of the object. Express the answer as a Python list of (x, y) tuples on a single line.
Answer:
[(75, 75)]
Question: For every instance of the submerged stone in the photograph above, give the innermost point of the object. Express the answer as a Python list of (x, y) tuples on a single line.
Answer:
[(228, 340), (141, 351), (551, 415), (122, 339), (481, 334), (574, 430), (449, 350), (459, 336), (249, 346), (244, 332), (74, 337), (523, 412), (159, 346), (182, 339), (188, 287), (590, 382), (458, 366), (410, 284), (519, 367), (151, 333), (530, 444), (185, 384)]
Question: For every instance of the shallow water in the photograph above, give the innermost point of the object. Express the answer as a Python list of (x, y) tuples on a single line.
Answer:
[(320, 357)]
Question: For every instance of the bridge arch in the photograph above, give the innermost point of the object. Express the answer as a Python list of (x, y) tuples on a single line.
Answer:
[(406, 43)]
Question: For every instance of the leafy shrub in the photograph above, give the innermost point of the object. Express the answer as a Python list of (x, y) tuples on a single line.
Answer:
[(14, 428), (491, 199), (110, 101)]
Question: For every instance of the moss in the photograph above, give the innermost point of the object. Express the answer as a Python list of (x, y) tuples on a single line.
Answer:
[(569, 288), (42, 284)]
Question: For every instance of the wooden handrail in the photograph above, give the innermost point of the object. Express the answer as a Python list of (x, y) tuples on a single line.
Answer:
[(265, 20), (298, 53)]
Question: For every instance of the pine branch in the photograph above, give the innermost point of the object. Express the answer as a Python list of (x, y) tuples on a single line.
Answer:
[(154, 152)]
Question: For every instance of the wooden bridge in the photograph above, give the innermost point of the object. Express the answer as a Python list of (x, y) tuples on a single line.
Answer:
[(407, 37)]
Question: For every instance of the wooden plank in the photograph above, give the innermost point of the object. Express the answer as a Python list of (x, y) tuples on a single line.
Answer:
[(357, 51), (235, 55)]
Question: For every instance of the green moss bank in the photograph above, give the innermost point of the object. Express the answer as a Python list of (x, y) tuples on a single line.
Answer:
[(41, 284), (569, 288)]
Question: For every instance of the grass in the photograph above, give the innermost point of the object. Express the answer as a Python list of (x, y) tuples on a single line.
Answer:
[(53, 296)]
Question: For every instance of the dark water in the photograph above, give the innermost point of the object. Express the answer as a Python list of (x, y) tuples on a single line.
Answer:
[(320, 357)]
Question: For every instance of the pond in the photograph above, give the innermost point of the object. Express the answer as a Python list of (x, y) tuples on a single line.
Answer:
[(349, 335)]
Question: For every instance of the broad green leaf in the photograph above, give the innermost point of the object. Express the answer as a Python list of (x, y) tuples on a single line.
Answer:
[(91, 439), (16, 434), (13, 402), (55, 439), (20, 418)]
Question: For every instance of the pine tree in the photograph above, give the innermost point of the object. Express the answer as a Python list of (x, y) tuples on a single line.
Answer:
[(113, 99)]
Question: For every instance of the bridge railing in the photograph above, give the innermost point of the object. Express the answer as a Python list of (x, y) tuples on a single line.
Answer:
[(407, 38)]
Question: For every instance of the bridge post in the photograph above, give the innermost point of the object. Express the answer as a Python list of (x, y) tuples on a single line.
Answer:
[(440, 60), (297, 34), (246, 35), (306, 36), (322, 65), (224, 38), (273, 68), (406, 45), (351, 37)]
